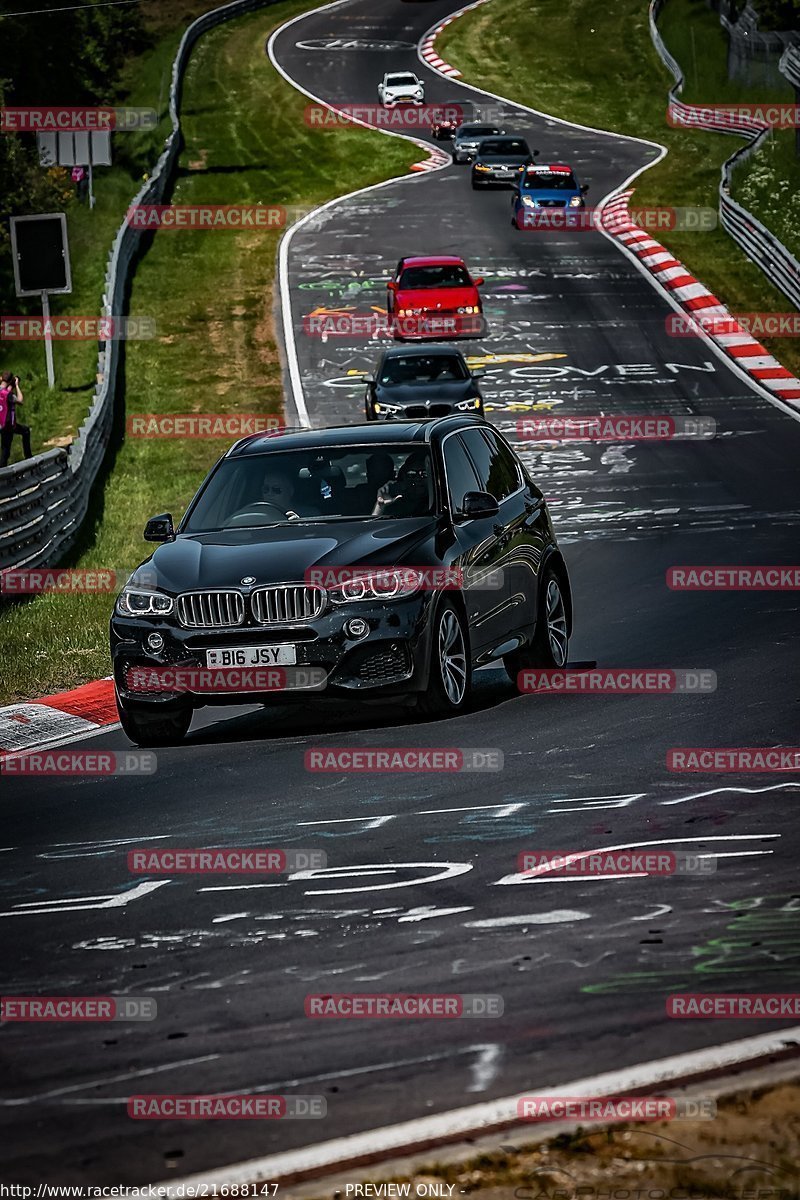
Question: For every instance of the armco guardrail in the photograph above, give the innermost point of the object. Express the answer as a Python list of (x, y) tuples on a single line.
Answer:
[(758, 243), (43, 501), (790, 65)]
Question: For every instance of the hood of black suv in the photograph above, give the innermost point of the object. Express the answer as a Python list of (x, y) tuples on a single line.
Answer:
[(278, 554), (417, 392)]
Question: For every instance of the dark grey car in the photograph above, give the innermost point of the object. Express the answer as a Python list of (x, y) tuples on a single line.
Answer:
[(422, 381), (500, 161)]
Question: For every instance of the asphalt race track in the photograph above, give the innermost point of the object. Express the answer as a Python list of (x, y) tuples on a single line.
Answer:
[(419, 895)]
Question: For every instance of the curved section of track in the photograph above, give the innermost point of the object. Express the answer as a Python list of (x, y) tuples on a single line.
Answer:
[(585, 966)]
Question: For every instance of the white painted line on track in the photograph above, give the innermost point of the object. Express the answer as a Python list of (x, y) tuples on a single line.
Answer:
[(426, 1132), (546, 868), (289, 339)]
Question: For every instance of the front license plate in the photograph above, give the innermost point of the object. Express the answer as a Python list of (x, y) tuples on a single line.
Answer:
[(252, 656)]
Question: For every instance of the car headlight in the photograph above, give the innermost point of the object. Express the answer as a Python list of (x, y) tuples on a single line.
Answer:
[(388, 408), (481, 167), (137, 602), (390, 583), (528, 201), (466, 405), (469, 308), (575, 202), (410, 312)]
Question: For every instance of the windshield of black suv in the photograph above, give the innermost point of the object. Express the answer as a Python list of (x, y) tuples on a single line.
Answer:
[(333, 483), (504, 146), (444, 275), (423, 368)]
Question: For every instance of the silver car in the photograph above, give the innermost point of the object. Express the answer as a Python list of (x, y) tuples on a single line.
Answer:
[(468, 137)]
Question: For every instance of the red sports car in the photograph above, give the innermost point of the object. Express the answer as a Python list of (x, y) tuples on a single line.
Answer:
[(434, 297)]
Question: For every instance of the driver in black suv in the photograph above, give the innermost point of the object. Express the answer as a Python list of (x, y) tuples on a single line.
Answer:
[(278, 491)]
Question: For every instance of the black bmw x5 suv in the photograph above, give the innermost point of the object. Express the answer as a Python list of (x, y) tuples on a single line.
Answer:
[(378, 561)]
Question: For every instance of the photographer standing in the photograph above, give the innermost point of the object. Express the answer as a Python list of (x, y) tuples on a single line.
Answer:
[(10, 397)]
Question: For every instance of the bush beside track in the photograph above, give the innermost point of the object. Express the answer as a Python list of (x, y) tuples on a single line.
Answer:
[(211, 296), (609, 76)]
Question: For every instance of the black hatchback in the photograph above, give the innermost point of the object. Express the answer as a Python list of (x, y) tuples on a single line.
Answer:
[(377, 561), (422, 381)]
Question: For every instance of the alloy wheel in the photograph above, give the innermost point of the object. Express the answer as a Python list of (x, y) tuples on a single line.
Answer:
[(452, 658)]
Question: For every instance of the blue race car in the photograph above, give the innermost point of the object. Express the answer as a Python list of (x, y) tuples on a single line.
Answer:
[(542, 187)]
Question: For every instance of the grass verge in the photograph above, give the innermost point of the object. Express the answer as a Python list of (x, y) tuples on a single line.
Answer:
[(610, 76), (211, 296)]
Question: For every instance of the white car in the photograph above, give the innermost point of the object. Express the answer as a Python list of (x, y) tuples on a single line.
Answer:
[(401, 87)]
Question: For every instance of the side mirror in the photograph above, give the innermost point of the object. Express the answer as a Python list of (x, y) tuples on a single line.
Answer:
[(478, 281), (477, 505), (391, 285), (478, 373), (367, 378), (160, 529), (584, 189)]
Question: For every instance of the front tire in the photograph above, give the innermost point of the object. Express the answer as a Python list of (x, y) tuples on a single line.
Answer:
[(160, 729), (550, 645), (450, 680)]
